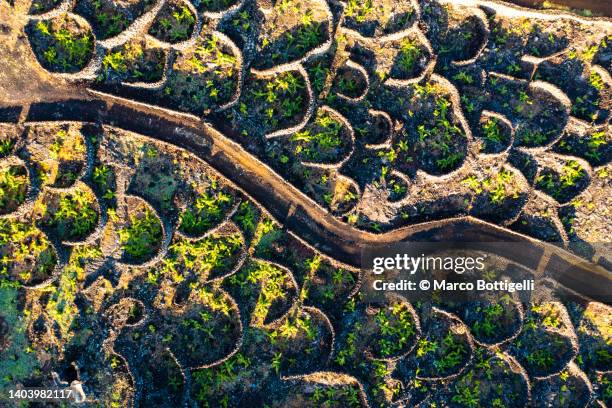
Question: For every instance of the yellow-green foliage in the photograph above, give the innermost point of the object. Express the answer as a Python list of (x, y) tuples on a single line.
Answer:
[(215, 300), (67, 146), (396, 326), (498, 187), (76, 213), (201, 257), (273, 281), (208, 209), (61, 307), (319, 139), (25, 252), (409, 55), (13, 185), (69, 46), (141, 238), (360, 10)]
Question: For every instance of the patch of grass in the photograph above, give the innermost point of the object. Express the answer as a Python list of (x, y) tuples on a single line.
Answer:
[(273, 282), (67, 146), (464, 77), (246, 216), (101, 175), (209, 381), (334, 396), (26, 255), (396, 327), (409, 55), (115, 61), (320, 139), (75, 215), (18, 361), (585, 107), (175, 23), (348, 86), (295, 327), (348, 352), (266, 234), (557, 185), (103, 178), (307, 32), (110, 21), (380, 373), (548, 315), (439, 137), (445, 355), (360, 10), (216, 301), (281, 100), (318, 74), (337, 282), (6, 147), (141, 238), (61, 307), (595, 142), (204, 77), (208, 210), (309, 35), (541, 358), (495, 135), (492, 131), (453, 353), (13, 187), (201, 258), (425, 346), (263, 285), (242, 21), (467, 393), (532, 137), (136, 60), (596, 81), (397, 188), (499, 186), (540, 347), (490, 323), (68, 153), (589, 53), (65, 45)]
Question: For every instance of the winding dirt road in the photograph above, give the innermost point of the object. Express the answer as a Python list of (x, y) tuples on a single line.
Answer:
[(299, 213)]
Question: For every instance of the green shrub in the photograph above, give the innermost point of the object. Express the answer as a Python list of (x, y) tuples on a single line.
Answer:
[(75, 215), (64, 44), (142, 237), (13, 186), (175, 23), (320, 139), (208, 210), (202, 257), (409, 55), (25, 252)]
